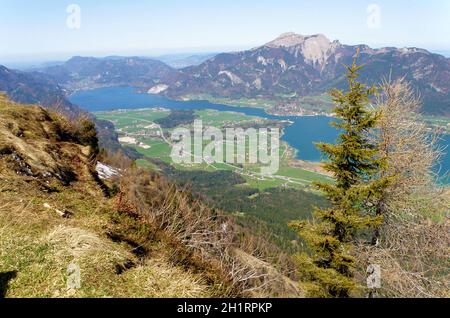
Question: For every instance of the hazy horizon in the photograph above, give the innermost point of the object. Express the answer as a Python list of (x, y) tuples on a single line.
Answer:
[(32, 61), (56, 30)]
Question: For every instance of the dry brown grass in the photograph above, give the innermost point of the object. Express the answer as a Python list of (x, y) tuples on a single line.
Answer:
[(199, 237), (38, 244)]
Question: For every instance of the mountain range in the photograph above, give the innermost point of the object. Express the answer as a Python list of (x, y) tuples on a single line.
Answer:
[(285, 71), (296, 65)]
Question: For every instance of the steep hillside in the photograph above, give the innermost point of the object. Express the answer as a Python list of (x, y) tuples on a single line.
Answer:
[(67, 233), (35, 88), (38, 88), (296, 66)]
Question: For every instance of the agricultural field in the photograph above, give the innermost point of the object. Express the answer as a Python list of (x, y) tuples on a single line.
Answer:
[(242, 102), (140, 129), (440, 122), (283, 104)]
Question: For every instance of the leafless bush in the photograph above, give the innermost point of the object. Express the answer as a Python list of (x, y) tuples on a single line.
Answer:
[(411, 150), (412, 245), (118, 159), (197, 235)]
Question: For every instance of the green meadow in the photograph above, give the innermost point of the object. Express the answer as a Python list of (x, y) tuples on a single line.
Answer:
[(141, 125)]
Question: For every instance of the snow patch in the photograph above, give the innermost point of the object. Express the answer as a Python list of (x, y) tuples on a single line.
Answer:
[(283, 64), (105, 171), (258, 83), (235, 80), (262, 60), (158, 89)]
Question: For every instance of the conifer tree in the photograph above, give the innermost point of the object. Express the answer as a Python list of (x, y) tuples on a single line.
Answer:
[(328, 266)]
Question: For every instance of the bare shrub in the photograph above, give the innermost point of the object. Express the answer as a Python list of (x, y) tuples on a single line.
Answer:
[(118, 159), (198, 236), (412, 244)]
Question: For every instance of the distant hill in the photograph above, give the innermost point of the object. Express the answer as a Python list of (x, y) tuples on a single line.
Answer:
[(80, 73), (179, 61), (444, 53), (40, 89), (35, 88), (296, 65)]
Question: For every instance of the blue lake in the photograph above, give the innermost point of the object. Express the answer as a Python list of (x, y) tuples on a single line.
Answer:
[(302, 134)]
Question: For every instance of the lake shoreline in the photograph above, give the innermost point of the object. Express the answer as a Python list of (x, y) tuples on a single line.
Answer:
[(301, 134)]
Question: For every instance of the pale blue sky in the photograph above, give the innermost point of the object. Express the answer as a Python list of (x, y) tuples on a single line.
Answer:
[(37, 29)]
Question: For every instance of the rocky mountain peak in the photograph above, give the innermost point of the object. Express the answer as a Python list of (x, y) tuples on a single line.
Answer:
[(287, 40), (291, 39), (315, 48)]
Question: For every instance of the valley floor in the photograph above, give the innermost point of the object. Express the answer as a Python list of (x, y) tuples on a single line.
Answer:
[(138, 129), (239, 189)]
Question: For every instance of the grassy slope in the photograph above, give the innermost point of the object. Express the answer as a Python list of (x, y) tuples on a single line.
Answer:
[(119, 254), (37, 245)]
